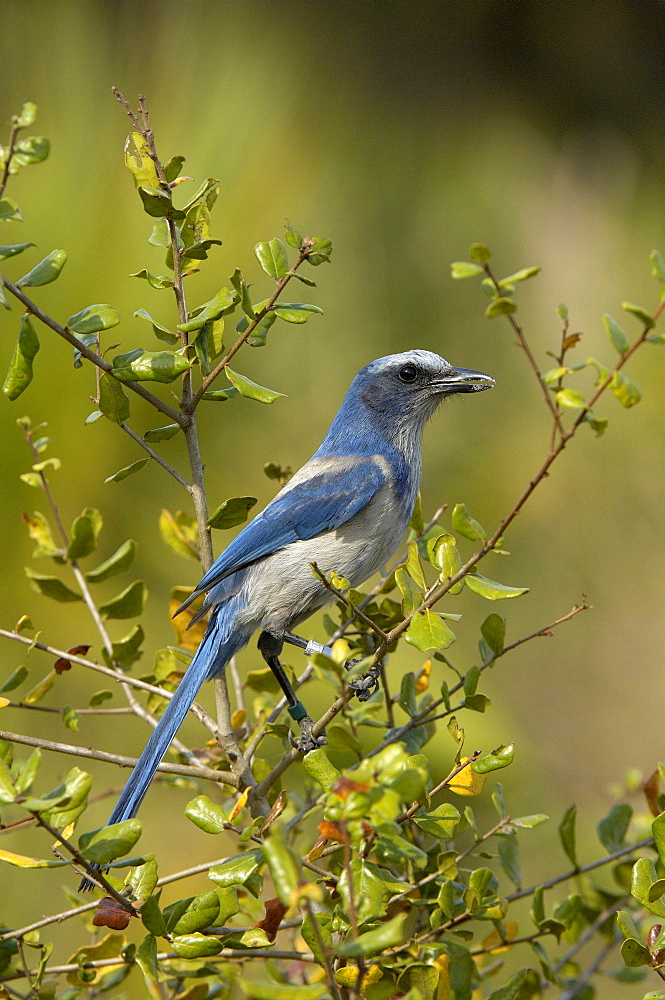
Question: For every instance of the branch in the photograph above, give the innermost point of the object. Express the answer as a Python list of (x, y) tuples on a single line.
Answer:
[(175, 415), (15, 129), (219, 368), (158, 458), (207, 773), (198, 711)]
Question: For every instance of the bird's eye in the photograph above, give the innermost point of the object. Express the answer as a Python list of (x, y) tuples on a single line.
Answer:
[(408, 373)]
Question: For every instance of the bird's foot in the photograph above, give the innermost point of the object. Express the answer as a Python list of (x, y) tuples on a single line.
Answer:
[(366, 685), (307, 740)]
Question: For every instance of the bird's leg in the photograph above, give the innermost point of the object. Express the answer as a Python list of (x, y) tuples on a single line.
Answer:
[(364, 686), (270, 646)]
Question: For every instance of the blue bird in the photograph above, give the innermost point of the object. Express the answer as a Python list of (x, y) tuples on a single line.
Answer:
[(346, 509)]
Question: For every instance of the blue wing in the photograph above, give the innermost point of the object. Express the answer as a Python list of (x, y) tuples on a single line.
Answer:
[(323, 501)]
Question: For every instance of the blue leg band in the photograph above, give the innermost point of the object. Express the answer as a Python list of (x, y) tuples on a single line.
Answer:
[(297, 711)]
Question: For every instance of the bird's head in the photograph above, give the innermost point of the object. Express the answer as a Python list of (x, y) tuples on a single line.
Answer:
[(414, 383)]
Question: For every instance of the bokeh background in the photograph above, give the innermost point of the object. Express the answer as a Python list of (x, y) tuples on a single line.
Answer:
[(404, 132)]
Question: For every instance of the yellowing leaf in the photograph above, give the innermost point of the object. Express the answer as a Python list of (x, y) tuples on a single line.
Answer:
[(180, 532), (186, 638), (496, 942), (238, 717), (239, 806), (349, 977), (422, 680), (467, 782), (4, 702)]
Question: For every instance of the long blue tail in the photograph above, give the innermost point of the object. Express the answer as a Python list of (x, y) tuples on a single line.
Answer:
[(221, 641)]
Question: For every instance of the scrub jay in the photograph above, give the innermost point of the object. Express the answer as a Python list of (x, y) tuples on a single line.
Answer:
[(346, 509)]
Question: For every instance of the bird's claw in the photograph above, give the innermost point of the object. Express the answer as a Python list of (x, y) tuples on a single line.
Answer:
[(366, 685), (307, 740)]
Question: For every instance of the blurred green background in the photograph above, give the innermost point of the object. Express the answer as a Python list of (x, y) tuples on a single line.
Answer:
[(402, 131)]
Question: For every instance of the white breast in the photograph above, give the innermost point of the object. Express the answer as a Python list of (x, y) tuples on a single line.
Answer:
[(282, 589)]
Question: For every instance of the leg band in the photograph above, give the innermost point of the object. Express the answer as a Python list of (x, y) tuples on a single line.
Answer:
[(297, 711)]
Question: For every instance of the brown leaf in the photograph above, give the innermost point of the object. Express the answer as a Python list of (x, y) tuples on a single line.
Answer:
[(344, 786), (571, 340), (651, 788), (275, 911), (110, 913), (333, 831), (277, 810), (62, 663)]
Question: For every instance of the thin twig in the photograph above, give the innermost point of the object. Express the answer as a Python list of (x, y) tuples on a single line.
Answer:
[(9, 152), (175, 415), (158, 458), (190, 771)]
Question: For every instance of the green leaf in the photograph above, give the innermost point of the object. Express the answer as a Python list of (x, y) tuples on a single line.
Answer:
[(220, 395), (84, 533), (597, 424), (236, 871), (643, 877), (464, 269), (232, 512), (158, 434), (146, 957), (634, 953), (128, 470), (51, 586), (26, 116), (440, 822), (157, 203), (12, 249), (465, 525), (657, 265), (522, 275), (292, 236), (613, 828), (196, 945), (528, 822), (367, 890), (295, 312), (250, 389), (112, 399), (319, 768), (28, 772), (15, 679), (618, 337), (205, 814), (493, 631), (242, 289), (173, 167), (500, 307), (221, 303), (509, 858), (524, 985), (283, 862), (128, 604), (149, 366), (480, 253), (494, 761), (570, 399), (92, 319), (46, 271), (658, 830), (121, 559), (7, 789), (281, 991), (640, 313), (318, 942), (427, 630), (201, 912), (491, 590), (444, 554), (386, 935), (625, 389), (273, 258), (139, 161), (19, 374), (205, 195), (128, 649), (151, 915), (110, 842), (99, 697), (34, 149), (9, 210), (161, 332), (567, 834), (154, 280)]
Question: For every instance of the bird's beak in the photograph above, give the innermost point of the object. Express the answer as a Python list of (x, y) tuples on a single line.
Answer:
[(464, 380)]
